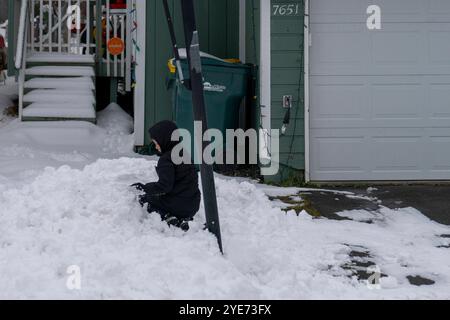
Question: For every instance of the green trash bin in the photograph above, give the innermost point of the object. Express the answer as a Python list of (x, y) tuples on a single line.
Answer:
[(226, 84)]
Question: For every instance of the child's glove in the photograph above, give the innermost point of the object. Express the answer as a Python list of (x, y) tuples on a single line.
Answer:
[(138, 186), (142, 200)]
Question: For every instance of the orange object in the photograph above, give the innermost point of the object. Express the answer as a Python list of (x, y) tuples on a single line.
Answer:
[(116, 46)]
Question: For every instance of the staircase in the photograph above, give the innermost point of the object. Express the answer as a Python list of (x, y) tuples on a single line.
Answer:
[(59, 87), (60, 52)]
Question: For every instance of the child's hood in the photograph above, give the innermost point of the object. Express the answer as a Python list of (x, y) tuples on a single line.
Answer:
[(162, 133)]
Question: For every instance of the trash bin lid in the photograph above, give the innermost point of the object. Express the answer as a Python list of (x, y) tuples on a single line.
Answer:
[(183, 55), (209, 59)]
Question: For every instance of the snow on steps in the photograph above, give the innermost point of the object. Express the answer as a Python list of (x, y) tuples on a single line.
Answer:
[(60, 58), (65, 111), (60, 96), (59, 87), (61, 71), (60, 83)]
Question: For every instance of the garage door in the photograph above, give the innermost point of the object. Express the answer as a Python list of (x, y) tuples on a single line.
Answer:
[(380, 99)]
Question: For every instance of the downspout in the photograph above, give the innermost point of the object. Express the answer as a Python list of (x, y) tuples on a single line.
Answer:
[(307, 42), (265, 149), (140, 72)]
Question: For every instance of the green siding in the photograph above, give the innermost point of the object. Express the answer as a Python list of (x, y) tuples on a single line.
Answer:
[(288, 79), (252, 52), (11, 36), (218, 24), (252, 31), (219, 36)]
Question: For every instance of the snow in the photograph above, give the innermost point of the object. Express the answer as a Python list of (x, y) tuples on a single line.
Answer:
[(60, 110), (183, 55), (60, 58), (3, 27), (26, 148), (61, 71), (61, 96), (9, 90), (60, 83), (89, 217), (65, 201)]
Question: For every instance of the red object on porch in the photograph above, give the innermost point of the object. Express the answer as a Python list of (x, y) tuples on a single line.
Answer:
[(2, 42), (118, 4)]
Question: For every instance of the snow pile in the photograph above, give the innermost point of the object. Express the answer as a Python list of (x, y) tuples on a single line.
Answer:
[(90, 218), (118, 126)]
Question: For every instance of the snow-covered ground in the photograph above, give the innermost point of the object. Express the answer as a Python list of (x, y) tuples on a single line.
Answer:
[(65, 201)]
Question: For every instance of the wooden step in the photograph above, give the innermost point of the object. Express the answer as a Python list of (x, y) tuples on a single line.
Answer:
[(60, 59), (60, 96), (61, 71), (55, 111), (60, 83)]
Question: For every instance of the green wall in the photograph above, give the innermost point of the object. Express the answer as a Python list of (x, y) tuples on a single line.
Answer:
[(219, 32), (218, 24), (288, 79), (13, 8)]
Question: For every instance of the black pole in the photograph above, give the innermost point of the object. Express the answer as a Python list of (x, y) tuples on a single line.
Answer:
[(174, 41), (171, 30), (198, 100)]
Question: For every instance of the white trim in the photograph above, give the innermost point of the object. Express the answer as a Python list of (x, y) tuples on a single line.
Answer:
[(307, 37), (139, 95), (129, 43), (108, 36), (265, 79), (242, 30)]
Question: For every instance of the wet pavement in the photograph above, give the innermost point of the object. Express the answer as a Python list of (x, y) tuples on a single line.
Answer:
[(432, 200)]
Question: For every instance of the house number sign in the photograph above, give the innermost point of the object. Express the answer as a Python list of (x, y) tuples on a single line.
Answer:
[(286, 10)]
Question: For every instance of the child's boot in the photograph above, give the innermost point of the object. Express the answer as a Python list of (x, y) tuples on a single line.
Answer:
[(184, 225)]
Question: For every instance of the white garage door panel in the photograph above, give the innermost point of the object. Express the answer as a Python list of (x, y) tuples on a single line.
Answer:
[(387, 154), (439, 111), (440, 166), (380, 100), (354, 11), (398, 49)]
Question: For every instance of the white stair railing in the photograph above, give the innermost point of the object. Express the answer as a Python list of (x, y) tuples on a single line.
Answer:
[(62, 26), (21, 35), (68, 27), (119, 25), (21, 52)]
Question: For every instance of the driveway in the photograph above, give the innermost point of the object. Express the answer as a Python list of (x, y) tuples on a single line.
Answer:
[(432, 201), (364, 204)]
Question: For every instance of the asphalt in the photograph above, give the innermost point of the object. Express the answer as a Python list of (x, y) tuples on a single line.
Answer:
[(432, 201)]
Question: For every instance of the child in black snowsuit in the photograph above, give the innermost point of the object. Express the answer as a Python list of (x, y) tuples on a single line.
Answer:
[(176, 196)]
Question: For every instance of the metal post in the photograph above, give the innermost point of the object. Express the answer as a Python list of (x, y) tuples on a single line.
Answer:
[(198, 99)]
